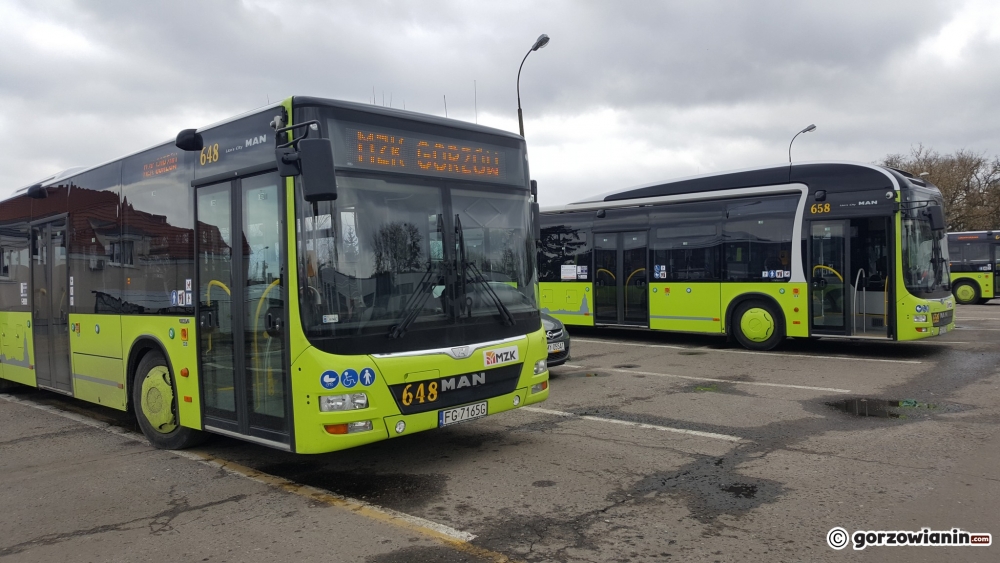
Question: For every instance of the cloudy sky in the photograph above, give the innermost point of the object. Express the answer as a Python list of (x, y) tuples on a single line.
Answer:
[(625, 93)]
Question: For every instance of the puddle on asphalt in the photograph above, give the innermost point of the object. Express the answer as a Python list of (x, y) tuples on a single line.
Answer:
[(692, 352), (740, 490), (880, 408), (626, 366)]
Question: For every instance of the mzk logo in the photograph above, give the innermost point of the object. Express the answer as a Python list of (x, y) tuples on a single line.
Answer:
[(501, 356)]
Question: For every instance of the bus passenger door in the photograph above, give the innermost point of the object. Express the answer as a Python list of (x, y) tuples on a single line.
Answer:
[(606, 274), (620, 279), (242, 276), (827, 270), (996, 269), (50, 306)]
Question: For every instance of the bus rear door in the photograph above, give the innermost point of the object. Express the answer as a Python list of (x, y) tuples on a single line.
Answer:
[(620, 279), (50, 293)]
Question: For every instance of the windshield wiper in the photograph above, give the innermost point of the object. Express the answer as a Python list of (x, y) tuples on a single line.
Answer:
[(478, 277), (415, 303)]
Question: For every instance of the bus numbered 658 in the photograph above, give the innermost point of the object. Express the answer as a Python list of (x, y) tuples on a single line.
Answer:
[(833, 250), (310, 276)]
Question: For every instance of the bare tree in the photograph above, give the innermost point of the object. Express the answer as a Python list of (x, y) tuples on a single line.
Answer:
[(969, 182), (397, 248)]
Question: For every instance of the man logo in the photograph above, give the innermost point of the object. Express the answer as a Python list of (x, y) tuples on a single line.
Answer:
[(500, 356), (461, 352)]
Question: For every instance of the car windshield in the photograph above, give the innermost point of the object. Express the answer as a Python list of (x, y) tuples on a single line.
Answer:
[(925, 257), (383, 263)]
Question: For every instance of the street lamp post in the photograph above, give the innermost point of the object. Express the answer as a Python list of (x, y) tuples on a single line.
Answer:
[(806, 130), (542, 41)]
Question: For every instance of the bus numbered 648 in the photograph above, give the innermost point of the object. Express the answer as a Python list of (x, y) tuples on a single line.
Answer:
[(310, 276), (833, 250)]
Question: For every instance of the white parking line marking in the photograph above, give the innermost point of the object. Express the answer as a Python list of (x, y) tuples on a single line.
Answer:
[(726, 437), (791, 355), (695, 378), (973, 328), (964, 318)]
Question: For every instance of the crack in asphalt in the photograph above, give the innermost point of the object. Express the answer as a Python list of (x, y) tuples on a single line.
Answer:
[(159, 523)]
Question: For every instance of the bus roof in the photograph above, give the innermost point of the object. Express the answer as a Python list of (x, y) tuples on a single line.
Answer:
[(826, 175), (297, 101)]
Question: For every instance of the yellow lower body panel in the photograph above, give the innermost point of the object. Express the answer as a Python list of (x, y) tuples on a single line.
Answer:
[(99, 380)]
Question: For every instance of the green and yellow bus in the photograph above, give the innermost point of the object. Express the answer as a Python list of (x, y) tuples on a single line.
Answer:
[(975, 260), (806, 250), (310, 276)]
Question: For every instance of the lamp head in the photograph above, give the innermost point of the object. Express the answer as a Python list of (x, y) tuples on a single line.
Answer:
[(542, 41), (812, 127)]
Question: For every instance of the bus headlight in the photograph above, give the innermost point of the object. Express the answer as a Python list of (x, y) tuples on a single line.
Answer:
[(333, 403), (920, 318), (540, 367)]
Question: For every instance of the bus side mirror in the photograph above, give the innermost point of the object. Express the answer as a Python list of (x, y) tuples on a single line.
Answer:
[(936, 216), (37, 192), (312, 159), (189, 140)]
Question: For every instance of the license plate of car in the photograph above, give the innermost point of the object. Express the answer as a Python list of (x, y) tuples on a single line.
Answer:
[(461, 414), (557, 347)]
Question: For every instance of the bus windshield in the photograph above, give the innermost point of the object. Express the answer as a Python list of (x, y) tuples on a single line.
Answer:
[(925, 257), (381, 266)]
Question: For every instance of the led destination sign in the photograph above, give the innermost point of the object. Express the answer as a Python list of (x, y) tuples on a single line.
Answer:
[(400, 151)]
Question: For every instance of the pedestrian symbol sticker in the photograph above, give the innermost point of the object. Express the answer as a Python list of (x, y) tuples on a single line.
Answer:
[(329, 379), (349, 378), (367, 376)]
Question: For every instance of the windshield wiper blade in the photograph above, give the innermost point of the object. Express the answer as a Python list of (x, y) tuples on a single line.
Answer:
[(415, 304), (478, 277)]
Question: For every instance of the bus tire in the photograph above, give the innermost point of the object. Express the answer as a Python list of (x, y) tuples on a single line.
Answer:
[(154, 396), (965, 292), (757, 326)]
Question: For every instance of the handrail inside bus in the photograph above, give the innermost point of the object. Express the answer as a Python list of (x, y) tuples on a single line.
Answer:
[(256, 356), (835, 272), (626, 285), (632, 274), (208, 301), (599, 270)]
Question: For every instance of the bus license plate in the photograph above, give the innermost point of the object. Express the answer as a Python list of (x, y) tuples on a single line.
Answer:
[(461, 414), (557, 347), (944, 330)]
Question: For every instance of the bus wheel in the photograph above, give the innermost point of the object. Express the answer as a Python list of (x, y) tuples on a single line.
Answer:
[(965, 293), (757, 326), (155, 400)]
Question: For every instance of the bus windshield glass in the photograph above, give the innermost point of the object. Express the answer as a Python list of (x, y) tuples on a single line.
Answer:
[(925, 257), (383, 270)]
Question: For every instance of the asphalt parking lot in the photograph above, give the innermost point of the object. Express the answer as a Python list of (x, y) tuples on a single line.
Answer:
[(652, 447)]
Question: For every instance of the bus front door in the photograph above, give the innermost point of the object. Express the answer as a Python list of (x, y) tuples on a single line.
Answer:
[(50, 293), (242, 276), (620, 279), (828, 268)]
